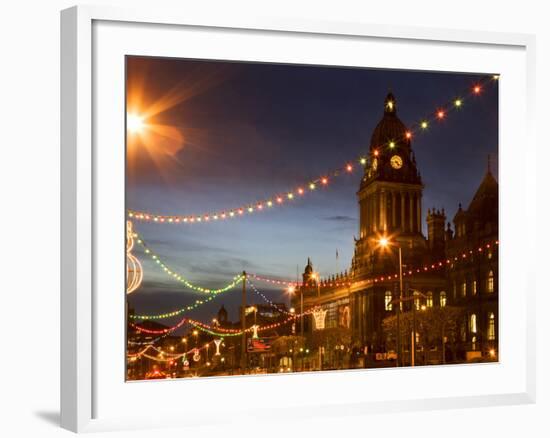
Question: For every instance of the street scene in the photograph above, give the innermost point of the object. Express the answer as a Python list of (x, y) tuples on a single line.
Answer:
[(294, 218)]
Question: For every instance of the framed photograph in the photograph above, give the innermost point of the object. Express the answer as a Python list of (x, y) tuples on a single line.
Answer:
[(265, 208)]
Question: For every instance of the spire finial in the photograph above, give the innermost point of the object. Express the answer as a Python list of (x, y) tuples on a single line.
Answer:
[(389, 103)]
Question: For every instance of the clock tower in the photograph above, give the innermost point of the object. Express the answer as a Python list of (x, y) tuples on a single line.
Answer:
[(390, 197)]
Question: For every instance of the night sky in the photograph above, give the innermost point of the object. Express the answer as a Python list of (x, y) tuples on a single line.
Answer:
[(224, 134)]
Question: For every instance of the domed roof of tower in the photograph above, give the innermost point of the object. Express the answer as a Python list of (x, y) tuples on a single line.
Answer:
[(309, 267), (390, 128)]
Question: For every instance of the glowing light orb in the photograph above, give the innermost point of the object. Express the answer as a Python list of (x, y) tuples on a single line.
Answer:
[(134, 123)]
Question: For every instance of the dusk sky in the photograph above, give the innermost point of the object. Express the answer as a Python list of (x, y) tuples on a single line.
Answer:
[(224, 134)]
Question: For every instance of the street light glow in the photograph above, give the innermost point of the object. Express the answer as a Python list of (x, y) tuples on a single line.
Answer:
[(134, 123)]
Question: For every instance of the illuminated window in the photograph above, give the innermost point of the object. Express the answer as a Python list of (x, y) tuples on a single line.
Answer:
[(443, 299), (474, 287), (463, 288), (429, 299), (387, 301), (417, 303), (490, 254), (474, 343), (490, 282), (491, 327), (473, 323)]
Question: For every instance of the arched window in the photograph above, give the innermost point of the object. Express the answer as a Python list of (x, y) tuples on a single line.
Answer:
[(429, 299), (387, 301), (463, 288), (474, 343), (417, 303), (490, 282), (473, 323), (474, 287), (491, 327)]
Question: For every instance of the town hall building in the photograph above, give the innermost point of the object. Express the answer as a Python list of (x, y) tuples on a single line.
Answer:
[(452, 266)]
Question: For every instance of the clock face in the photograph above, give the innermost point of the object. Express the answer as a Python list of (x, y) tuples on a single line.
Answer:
[(396, 162), (374, 164)]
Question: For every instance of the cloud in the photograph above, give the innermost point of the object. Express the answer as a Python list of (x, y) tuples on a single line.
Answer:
[(340, 218)]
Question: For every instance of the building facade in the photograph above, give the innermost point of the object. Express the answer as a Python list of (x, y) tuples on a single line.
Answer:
[(390, 209)]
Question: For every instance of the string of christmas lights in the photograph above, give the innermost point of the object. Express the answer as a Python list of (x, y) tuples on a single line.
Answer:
[(216, 331), (158, 331), (236, 332), (170, 272), (267, 300), (197, 304), (282, 198), (169, 356), (151, 342), (424, 268)]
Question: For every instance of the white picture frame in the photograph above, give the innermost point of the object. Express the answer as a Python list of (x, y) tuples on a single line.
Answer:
[(81, 368)]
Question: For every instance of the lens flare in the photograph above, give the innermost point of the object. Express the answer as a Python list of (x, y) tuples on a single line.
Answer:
[(134, 123)]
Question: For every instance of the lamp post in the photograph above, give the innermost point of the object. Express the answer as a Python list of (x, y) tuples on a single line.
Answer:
[(385, 243)]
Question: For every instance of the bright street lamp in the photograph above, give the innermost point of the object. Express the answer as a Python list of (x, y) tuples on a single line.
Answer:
[(384, 242), (134, 123)]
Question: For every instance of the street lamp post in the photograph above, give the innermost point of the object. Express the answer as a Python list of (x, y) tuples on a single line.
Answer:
[(398, 309), (384, 243)]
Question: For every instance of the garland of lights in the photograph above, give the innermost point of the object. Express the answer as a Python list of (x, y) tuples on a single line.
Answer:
[(425, 268), (236, 332), (170, 356), (291, 283), (322, 181), (177, 312), (158, 331), (236, 280), (195, 305), (151, 342), (267, 300)]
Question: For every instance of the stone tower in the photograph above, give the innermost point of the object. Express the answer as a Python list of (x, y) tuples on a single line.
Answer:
[(436, 232), (390, 195)]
